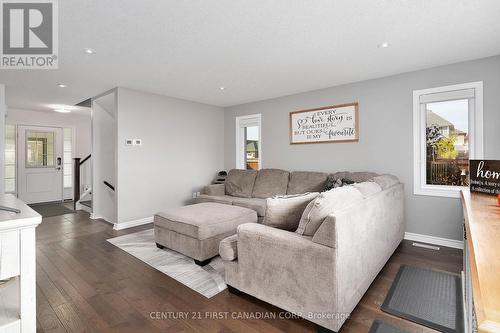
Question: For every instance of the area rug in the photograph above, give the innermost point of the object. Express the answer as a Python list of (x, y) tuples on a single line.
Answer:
[(52, 209), (381, 327), (426, 297), (207, 280)]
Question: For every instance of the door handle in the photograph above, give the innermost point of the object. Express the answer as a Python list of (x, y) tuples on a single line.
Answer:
[(58, 168)]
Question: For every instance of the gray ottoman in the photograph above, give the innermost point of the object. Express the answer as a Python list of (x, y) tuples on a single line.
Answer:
[(196, 230)]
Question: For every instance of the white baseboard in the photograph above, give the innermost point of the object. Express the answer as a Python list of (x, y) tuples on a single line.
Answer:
[(456, 244), (133, 223)]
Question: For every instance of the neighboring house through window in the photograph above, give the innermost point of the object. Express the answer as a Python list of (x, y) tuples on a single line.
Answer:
[(448, 131), (248, 142)]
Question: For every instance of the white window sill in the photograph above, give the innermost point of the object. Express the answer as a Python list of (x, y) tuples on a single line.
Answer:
[(439, 191)]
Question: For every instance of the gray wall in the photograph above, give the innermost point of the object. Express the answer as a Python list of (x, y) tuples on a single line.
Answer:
[(182, 149), (385, 144)]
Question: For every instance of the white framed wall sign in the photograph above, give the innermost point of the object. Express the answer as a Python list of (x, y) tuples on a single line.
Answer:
[(337, 123)]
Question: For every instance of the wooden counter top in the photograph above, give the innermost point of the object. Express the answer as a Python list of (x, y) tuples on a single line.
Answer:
[(482, 220)]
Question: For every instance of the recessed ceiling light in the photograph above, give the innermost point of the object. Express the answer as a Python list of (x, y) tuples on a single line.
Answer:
[(88, 51), (383, 45), (62, 85), (222, 88), (62, 110)]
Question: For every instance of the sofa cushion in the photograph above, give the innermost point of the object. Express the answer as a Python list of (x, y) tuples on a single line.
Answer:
[(257, 204), (270, 182), (367, 188), (326, 203), (223, 199), (285, 212), (240, 183), (385, 181), (306, 181), (204, 220), (228, 248)]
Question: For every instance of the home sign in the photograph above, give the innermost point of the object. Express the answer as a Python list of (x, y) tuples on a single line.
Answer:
[(485, 176)]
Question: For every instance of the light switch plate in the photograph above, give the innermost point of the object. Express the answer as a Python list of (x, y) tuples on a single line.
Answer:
[(129, 142), (137, 142)]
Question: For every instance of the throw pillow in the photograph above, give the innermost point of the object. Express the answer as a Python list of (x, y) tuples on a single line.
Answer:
[(332, 182), (284, 212), (325, 204)]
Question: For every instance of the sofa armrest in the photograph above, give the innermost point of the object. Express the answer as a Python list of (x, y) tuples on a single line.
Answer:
[(228, 248), (286, 269), (214, 189)]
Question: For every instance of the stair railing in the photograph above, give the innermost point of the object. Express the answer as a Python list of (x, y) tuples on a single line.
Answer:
[(109, 185), (77, 165)]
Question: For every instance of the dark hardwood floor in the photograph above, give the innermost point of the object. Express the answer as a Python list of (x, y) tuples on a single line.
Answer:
[(85, 284)]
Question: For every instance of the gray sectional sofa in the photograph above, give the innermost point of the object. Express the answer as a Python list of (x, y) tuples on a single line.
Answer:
[(321, 273), (250, 188)]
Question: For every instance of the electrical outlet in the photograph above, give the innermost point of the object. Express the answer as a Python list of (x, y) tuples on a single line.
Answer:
[(198, 194), (194, 195), (137, 142), (129, 142)]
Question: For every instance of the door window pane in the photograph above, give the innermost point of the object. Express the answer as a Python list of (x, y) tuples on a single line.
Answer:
[(39, 149), (10, 185), (252, 147), (10, 171), (10, 158), (447, 143), (68, 155)]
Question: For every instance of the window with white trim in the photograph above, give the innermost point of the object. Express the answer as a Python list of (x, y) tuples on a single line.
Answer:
[(10, 159), (68, 157), (448, 131), (248, 142)]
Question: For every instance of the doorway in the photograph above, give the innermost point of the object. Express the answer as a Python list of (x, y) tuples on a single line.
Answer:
[(248, 142), (40, 164)]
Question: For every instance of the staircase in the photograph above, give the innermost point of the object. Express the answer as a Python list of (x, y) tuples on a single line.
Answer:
[(82, 190)]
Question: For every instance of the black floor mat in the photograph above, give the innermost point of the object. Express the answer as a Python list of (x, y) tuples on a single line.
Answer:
[(426, 297), (52, 209)]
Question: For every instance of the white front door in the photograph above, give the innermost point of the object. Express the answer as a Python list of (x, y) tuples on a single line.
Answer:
[(39, 164)]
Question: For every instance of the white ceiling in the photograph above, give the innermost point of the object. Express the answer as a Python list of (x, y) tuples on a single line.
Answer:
[(257, 49)]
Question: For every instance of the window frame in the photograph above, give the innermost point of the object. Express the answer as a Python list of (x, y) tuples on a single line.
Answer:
[(15, 160), (420, 187), (241, 123), (73, 153)]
